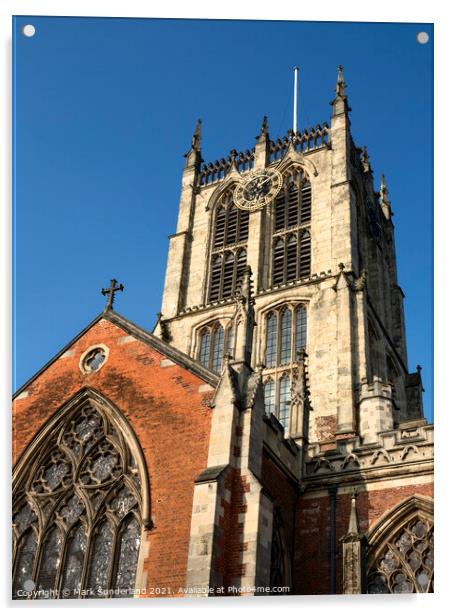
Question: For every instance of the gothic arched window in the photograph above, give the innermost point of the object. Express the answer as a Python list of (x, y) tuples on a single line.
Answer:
[(291, 229), (401, 561), (77, 508), (285, 337), (212, 344), (280, 562), (228, 256)]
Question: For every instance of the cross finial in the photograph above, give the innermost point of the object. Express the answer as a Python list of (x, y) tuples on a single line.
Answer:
[(110, 292)]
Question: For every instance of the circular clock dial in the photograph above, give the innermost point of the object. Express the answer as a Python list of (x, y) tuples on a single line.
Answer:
[(257, 189)]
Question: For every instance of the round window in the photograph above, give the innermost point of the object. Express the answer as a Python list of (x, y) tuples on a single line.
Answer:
[(94, 360)]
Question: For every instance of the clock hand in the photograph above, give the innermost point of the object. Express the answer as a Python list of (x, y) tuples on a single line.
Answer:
[(262, 183)]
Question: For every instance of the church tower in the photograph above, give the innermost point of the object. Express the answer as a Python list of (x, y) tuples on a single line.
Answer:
[(319, 241), (267, 437)]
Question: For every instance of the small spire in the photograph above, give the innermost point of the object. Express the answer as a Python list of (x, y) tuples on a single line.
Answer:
[(365, 160), (193, 156), (340, 83), (385, 203), (353, 524), (243, 318), (196, 139), (340, 103), (263, 134)]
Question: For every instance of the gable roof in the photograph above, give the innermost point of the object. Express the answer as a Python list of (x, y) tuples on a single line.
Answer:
[(179, 358)]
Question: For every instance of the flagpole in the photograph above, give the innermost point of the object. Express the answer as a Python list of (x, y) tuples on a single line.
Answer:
[(295, 100)]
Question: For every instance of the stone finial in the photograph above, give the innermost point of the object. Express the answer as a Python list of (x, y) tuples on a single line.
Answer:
[(365, 161), (353, 554), (193, 156), (264, 129), (340, 83), (385, 203), (300, 403), (243, 319), (196, 139), (353, 523), (361, 282), (299, 386), (340, 102)]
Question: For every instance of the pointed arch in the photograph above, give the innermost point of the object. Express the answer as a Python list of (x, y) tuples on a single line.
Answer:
[(83, 470), (400, 555), (291, 258), (229, 237), (280, 563)]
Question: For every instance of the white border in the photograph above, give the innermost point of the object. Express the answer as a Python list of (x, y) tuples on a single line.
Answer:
[(323, 10)]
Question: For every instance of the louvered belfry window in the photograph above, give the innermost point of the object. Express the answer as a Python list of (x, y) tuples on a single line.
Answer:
[(228, 256), (285, 337), (291, 229)]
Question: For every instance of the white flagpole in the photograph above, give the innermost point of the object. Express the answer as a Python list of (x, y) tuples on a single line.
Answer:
[(295, 100)]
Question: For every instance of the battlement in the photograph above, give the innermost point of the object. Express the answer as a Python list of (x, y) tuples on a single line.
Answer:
[(310, 139)]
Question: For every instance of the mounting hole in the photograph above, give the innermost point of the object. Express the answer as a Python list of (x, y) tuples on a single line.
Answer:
[(422, 38), (29, 30)]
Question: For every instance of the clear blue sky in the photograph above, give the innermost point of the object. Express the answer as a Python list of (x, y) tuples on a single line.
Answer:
[(105, 110)]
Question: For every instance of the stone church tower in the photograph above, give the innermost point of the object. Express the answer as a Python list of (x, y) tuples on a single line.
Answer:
[(277, 378)]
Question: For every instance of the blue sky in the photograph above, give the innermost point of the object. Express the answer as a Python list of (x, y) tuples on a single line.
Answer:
[(104, 111)]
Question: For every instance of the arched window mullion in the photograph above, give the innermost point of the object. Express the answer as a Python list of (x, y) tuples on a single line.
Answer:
[(212, 344), (41, 562), (114, 551), (67, 535), (86, 561)]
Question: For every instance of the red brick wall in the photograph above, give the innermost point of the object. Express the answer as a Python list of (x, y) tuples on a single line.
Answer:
[(170, 417), (312, 572), (284, 495)]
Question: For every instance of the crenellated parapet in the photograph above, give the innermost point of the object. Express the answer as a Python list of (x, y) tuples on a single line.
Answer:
[(218, 170), (308, 140)]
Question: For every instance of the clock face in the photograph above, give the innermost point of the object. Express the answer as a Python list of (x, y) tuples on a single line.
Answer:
[(257, 189)]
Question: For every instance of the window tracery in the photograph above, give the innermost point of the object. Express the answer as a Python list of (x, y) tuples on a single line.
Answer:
[(77, 513), (404, 563), (213, 344), (279, 564), (228, 257), (291, 228), (285, 337)]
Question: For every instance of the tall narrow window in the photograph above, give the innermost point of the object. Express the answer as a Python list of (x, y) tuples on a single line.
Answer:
[(60, 546), (291, 234), (270, 351), (211, 346), (228, 255), (286, 336), (284, 401), (217, 350), (269, 397), (301, 324)]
